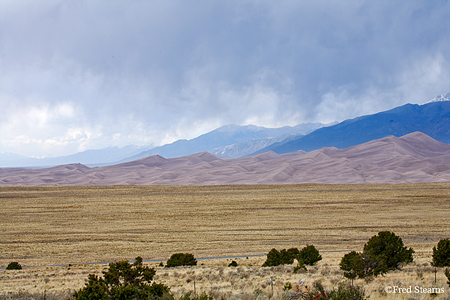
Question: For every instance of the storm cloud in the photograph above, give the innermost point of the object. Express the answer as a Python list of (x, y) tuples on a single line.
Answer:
[(76, 75)]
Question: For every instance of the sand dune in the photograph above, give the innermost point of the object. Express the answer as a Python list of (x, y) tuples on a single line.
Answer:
[(412, 158)]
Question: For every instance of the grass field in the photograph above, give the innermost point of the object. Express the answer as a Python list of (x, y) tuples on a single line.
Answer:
[(45, 226)]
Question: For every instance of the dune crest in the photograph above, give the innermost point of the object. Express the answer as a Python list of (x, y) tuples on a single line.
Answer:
[(413, 158)]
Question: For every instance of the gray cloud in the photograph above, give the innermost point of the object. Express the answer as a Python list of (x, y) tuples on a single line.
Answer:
[(98, 73)]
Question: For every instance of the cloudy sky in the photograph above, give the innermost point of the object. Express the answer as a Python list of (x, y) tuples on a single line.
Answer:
[(88, 74)]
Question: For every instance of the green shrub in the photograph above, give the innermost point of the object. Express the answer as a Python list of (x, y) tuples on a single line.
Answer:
[(343, 292), (273, 258), (288, 256), (300, 266), (181, 259), (123, 281), (441, 254), (283, 257), (385, 252), (347, 292), (233, 264), (159, 291), (287, 286), (382, 253), (14, 265), (95, 288), (309, 255), (352, 265)]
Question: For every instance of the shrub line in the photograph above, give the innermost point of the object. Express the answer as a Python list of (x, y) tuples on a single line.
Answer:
[(166, 259)]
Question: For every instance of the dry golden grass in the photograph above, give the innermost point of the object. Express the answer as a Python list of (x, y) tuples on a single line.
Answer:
[(215, 278), (43, 226)]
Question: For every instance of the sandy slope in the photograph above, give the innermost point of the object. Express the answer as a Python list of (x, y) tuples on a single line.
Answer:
[(412, 158)]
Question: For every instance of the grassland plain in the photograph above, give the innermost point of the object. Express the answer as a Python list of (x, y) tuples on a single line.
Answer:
[(45, 226)]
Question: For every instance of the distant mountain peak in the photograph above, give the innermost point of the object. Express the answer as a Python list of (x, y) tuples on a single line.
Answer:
[(441, 98), (418, 135), (150, 161), (204, 156)]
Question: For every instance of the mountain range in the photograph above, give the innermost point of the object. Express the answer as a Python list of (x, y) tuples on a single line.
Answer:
[(234, 141), (229, 141), (432, 119), (412, 158), (105, 156)]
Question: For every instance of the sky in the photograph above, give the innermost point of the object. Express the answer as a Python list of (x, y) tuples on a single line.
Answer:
[(88, 74)]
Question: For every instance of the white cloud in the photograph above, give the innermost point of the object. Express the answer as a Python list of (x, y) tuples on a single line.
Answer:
[(34, 130), (420, 80), (77, 75), (414, 83)]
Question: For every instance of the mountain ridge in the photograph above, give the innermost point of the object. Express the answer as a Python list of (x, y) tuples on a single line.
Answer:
[(432, 118), (234, 141), (225, 136), (227, 141)]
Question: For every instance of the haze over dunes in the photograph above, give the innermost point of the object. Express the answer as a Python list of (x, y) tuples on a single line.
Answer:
[(412, 158)]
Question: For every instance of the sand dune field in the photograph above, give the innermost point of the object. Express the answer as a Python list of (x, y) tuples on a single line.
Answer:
[(413, 158)]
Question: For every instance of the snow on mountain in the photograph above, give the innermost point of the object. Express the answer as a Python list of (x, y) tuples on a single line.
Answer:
[(248, 147), (252, 145), (441, 98), (229, 141)]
